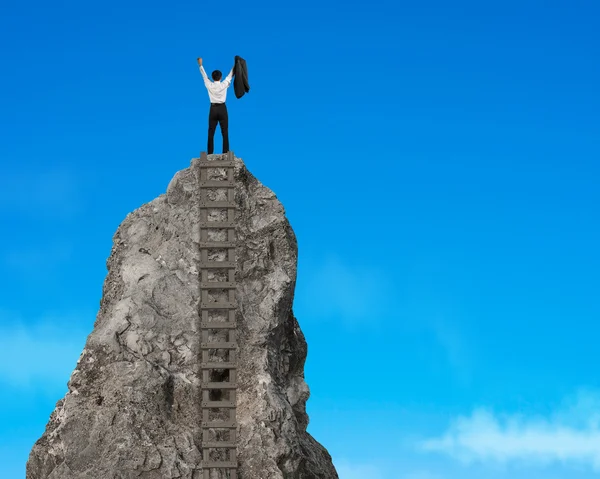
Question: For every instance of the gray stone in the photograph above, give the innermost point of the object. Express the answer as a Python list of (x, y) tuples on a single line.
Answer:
[(133, 403)]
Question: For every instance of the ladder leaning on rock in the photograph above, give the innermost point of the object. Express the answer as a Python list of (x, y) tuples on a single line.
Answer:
[(217, 314)]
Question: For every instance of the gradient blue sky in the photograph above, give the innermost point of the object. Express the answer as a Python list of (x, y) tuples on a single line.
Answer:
[(437, 160)]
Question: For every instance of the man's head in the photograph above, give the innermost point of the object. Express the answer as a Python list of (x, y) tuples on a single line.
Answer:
[(216, 75)]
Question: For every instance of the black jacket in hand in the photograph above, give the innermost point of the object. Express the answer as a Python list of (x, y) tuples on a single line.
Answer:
[(240, 81)]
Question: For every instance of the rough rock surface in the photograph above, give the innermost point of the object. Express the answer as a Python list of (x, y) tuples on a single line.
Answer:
[(133, 402)]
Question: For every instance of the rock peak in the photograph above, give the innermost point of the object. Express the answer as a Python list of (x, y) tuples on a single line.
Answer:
[(133, 403)]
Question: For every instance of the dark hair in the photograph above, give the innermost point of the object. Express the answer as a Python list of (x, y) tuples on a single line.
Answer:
[(217, 75)]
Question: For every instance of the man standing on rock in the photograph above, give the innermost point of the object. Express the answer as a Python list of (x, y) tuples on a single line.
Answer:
[(217, 92)]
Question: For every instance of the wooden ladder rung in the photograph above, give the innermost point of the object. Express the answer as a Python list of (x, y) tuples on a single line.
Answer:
[(219, 404), (215, 365), (217, 204), (216, 464), (219, 424), (218, 385), (218, 325), (217, 164), (218, 285), (224, 445), (218, 305), (217, 244), (218, 345), (217, 264), (217, 184), (217, 224)]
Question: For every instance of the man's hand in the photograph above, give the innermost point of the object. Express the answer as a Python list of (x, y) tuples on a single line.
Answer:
[(200, 61)]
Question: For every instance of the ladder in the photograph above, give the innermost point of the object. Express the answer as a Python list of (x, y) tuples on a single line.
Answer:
[(217, 316)]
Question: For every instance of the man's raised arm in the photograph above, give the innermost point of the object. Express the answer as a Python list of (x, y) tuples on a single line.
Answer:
[(204, 75), (229, 77)]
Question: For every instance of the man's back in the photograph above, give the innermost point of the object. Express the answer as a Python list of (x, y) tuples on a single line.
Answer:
[(217, 90)]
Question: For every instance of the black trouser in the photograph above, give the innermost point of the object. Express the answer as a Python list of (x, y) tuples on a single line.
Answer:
[(218, 114)]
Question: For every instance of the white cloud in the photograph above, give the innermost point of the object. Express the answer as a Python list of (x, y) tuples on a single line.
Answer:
[(348, 470), (569, 435), (41, 352)]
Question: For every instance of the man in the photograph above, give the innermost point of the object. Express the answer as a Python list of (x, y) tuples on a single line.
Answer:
[(217, 92)]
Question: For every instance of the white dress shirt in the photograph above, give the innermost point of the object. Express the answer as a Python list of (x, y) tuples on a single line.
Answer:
[(217, 90)]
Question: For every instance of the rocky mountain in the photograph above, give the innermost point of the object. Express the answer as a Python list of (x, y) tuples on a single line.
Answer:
[(133, 403)]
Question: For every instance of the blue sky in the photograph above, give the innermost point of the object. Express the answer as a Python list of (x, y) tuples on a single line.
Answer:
[(437, 160)]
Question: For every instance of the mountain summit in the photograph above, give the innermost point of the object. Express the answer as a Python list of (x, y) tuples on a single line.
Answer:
[(133, 406)]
